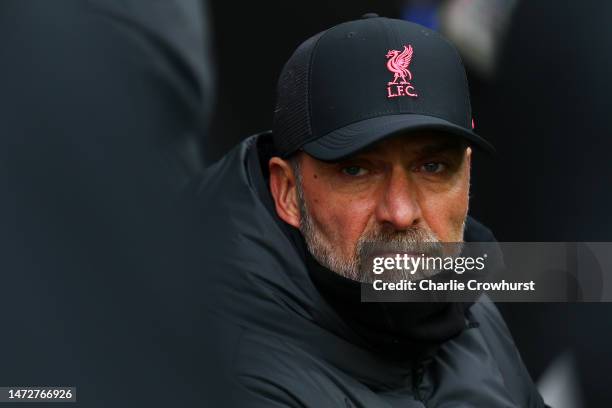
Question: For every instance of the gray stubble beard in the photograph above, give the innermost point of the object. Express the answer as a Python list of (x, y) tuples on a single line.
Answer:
[(358, 266)]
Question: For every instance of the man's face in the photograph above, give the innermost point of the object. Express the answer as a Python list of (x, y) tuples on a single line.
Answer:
[(403, 190)]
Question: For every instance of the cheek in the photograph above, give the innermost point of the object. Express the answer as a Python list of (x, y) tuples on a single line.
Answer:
[(342, 218), (445, 212)]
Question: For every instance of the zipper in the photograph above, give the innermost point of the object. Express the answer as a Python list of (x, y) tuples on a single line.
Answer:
[(418, 372), (417, 377)]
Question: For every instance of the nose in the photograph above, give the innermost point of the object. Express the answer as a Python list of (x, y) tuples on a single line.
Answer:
[(399, 205)]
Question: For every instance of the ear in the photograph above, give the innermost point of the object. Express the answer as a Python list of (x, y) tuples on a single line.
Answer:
[(468, 166), (468, 156), (284, 191)]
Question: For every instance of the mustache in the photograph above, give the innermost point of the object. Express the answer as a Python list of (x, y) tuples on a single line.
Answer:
[(407, 241), (414, 242)]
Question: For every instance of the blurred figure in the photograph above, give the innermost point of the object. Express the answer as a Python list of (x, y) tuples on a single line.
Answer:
[(101, 105), (478, 27)]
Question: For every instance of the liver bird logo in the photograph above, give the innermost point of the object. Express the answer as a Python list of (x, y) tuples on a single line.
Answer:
[(398, 64)]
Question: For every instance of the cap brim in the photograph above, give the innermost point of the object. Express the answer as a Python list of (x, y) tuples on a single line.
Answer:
[(352, 138)]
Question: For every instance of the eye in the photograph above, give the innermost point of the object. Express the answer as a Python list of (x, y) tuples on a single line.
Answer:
[(354, 171), (433, 167)]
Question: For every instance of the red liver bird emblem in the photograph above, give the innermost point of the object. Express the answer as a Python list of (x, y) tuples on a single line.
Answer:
[(398, 63)]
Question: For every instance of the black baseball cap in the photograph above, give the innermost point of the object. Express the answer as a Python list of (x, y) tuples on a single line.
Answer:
[(365, 80)]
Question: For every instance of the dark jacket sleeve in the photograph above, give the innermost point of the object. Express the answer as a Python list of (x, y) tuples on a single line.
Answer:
[(92, 254)]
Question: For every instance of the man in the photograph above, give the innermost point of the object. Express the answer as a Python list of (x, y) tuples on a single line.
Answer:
[(372, 143)]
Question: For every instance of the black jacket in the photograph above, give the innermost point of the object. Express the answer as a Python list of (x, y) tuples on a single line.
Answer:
[(284, 345)]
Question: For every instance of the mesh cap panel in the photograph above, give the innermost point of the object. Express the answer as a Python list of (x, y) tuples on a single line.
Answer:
[(291, 124)]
